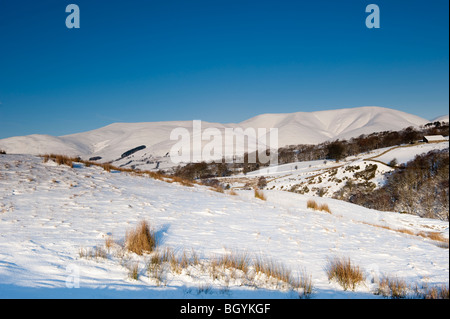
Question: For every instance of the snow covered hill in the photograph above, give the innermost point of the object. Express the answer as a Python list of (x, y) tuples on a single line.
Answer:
[(325, 178), (443, 118), (110, 142), (62, 231)]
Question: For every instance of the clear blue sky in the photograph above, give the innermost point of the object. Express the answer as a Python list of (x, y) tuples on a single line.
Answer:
[(214, 60)]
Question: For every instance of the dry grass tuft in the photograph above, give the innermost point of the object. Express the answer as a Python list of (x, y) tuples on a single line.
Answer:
[(281, 274), (141, 240), (95, 253), (437, 293), (60, 159), (313, 205), (108, 167), (182, 181), (217, 189), (392, 287), (434, 236), (346, 274), (304, 285), (325, 208), (134, 271), (109, 242), (155, 266), (259, 194), (273, 269), (232, 260)]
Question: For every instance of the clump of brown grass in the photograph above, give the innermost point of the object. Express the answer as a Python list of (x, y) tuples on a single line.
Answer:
[(346, 274), (156, 267), (60, 159), (259, 194), (434, 236), (96, 252), (133, 271), (182, 261), (440, 292), (141, 240), (325, 208), (392, 287), (313, 205), (108, 167), (304, 285), (180, 180), (272, 269), (109, 242), (233, 260), (217, 189), (232, 192), (155, 175)]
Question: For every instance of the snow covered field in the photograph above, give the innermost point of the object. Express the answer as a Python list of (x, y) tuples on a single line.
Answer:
[(48, 213)]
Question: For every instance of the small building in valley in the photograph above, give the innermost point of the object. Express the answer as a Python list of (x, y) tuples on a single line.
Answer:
[(433, 138)]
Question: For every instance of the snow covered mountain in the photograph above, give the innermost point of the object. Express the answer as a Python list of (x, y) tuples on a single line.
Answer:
[(443, 118), (111, 142)]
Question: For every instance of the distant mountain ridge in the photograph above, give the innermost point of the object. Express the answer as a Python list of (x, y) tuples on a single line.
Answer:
[(113, 140)]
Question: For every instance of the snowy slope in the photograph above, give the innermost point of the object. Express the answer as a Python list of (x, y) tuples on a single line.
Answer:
[(325, 178), (407, 153), (49, 212), (111, 141), (443, 118)]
